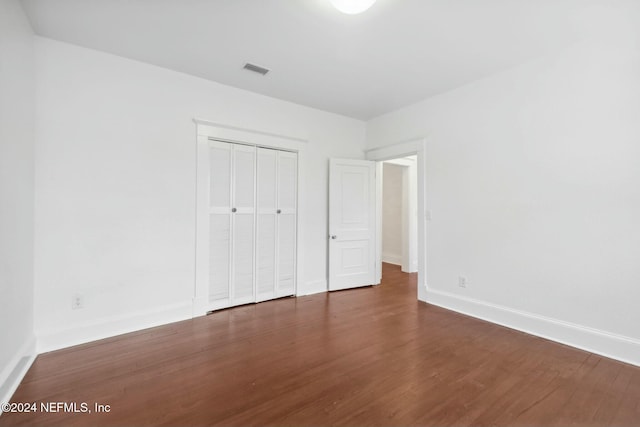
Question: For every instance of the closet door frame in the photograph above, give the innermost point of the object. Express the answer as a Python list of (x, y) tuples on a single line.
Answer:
[(207, 131)]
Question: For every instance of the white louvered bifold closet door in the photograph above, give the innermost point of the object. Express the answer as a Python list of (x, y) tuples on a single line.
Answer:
[(286, 223), (276, 232), (244, 205), (220, 163), (232, 220), (267, 224), (252, 218)]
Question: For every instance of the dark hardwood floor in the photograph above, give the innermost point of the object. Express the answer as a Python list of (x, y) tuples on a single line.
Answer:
[(364, 357)]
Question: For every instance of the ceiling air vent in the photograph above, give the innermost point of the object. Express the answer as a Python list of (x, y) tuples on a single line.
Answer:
[(256, 68)]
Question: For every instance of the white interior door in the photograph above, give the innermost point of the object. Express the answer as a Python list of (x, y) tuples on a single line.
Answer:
[(352, 227)]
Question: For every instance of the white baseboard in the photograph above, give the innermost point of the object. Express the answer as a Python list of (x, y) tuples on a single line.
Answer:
[(55, 339), (619, 347), (392, 259), (200, 306), (314, 287), (17, 368)]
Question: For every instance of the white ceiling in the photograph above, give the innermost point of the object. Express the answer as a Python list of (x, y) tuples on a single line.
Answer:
[(395, 54)]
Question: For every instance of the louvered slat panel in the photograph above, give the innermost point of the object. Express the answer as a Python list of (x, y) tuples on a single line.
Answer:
[(244, 177), (266, 256), (287, 171), (243, 249), (286, 254), (220, 234), (267, 176), (220, 176)]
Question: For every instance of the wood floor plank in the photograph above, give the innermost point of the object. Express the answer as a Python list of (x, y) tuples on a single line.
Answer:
[(364, 357)]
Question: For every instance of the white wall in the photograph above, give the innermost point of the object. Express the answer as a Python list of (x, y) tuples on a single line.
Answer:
[(392, 213), (533, 185), (16, 190), (115, 187)]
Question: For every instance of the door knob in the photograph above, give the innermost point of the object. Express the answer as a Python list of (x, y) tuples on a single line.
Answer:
[(278, 211), (334, 237), (234, 210)]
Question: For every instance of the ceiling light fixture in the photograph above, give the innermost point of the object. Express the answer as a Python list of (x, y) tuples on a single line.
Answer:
[(352, 7)]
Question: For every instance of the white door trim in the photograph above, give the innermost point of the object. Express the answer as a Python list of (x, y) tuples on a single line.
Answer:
[(227, 133), (408, 258), (418, 147)]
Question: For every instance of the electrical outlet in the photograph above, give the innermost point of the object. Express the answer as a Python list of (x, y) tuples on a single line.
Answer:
[(77, 301), (462, 281)]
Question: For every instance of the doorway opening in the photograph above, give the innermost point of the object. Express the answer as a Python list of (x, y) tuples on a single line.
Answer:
[(417, 147), (399, 213)]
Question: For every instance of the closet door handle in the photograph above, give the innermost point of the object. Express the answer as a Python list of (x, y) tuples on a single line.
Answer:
[(234, 210), (278, 211)]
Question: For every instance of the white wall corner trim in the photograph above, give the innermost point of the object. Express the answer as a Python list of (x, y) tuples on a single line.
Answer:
[(55, 339), (313, 287), (596, 341), (14, 372)]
